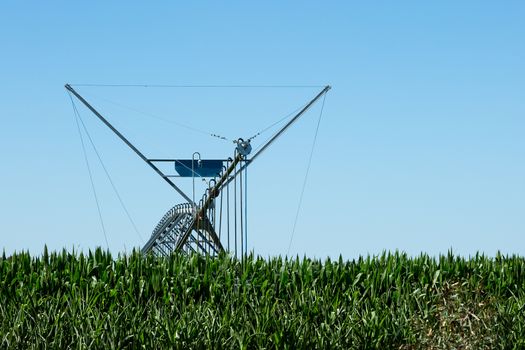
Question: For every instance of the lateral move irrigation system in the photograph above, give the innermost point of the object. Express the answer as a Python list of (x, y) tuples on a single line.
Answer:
[(197, 227)]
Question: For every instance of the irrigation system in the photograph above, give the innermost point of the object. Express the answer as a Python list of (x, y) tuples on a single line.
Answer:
[(217, 221)]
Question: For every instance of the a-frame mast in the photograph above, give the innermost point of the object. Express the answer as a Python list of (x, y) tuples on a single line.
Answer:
[(126, 141)]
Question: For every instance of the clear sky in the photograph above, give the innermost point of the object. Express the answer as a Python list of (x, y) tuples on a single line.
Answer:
[(421, 147)]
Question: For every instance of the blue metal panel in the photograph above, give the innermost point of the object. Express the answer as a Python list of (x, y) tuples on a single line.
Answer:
[(201, 168)]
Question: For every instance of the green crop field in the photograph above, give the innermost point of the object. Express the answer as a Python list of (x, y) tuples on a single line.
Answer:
[(392, 301)]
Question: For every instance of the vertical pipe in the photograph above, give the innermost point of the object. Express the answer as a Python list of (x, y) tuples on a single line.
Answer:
[(235, 208), (228, 213), (193, 172), (242, 213), (246, 207), (220, 218)]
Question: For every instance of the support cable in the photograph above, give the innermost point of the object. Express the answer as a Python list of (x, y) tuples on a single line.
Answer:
[(77, 117), (306, 176), (275, 123), (154, 116), (111, 181), (200, 86), (196, 86)]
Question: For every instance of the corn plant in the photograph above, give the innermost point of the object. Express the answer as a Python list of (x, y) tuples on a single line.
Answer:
[(93, 300)]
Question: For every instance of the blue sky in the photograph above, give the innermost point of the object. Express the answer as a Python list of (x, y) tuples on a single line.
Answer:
[(421, 146)]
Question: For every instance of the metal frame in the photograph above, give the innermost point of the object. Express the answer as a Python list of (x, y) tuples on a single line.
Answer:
[(186, 227)]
